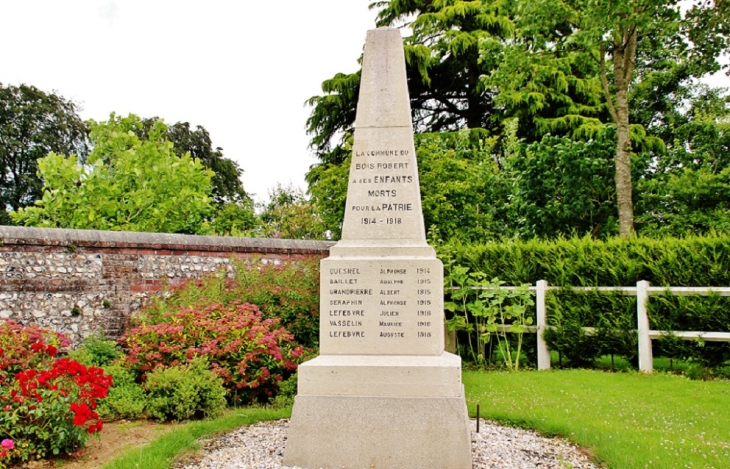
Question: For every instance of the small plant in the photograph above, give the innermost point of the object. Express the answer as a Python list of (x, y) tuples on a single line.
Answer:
[(96, 351), (126, 399), (506, 308), (483, 309), (699, 372), (184, 392), (75, 311), (287, 392), (106, 304)]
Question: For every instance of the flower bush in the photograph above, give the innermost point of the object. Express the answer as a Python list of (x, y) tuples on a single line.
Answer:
[(251, 354), (288, 291), (47, 405), (26, 347)]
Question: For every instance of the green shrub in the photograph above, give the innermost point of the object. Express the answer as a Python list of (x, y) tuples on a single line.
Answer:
[(126, 398), (185, 392), (96, 351), (691, 261), (699, 372), (287, 392)]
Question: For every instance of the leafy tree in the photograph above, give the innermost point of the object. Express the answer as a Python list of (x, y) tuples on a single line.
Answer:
[(688, 191), (626, 40), (289, 214), (127, 184), (227, 186), (443, 69), (463, 190), (563, 187), (32, 124), (235, 219), (328, 190)]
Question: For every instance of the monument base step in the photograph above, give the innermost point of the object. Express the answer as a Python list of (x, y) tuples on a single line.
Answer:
[(367, 432), (382, 375)]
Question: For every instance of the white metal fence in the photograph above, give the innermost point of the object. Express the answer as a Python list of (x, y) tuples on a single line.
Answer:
[(642, 291)]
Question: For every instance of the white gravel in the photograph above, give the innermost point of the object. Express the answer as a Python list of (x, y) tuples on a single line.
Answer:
[(261, 446)]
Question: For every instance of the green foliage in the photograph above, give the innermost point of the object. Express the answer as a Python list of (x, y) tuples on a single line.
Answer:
[(462, 189), (32, 124), (290, 215), (235, 219), (96, 351), (126, 398), (693, 261), (286, 291), (126, 184), (226, 182), (482, 309), (563, 187), (287, 391), (184, 392), (328, 188), (687, 192)]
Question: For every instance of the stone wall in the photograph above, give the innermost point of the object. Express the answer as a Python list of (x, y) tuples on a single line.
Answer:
[(80, 281)]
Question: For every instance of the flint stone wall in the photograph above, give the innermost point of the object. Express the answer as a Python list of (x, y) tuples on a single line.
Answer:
[(81, 281)]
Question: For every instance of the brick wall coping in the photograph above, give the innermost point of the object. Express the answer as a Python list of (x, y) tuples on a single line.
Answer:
[(19, 235)]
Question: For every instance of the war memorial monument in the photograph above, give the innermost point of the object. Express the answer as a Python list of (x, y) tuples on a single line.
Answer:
[(383, 393)]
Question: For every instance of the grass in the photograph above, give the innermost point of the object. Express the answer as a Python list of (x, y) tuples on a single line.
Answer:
[(161, 453), (628, 420)]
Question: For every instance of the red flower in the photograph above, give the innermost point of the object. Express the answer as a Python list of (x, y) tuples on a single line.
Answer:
[(37, 346)]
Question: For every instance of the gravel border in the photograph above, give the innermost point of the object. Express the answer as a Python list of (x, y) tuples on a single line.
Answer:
[(261, 446)]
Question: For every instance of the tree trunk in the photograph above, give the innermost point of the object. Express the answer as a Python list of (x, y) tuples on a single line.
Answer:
[(623, 165), (624, 56)]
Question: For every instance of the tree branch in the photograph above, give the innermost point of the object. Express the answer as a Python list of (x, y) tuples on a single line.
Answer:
[(604, 84)]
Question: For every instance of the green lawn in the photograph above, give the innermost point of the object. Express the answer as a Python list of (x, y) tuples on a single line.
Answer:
[(628, 420)]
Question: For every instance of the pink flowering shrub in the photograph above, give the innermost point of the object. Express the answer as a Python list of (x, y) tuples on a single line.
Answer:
[(47, 405), (251, 354), (288, 291)]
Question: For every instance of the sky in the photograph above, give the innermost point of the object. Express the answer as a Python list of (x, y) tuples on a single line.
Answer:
[(241, 69)]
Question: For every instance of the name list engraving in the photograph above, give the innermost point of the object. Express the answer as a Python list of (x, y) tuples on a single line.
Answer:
[(381, 306)]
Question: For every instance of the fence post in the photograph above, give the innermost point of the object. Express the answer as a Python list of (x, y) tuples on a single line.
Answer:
[(646, 360), (543, 353)]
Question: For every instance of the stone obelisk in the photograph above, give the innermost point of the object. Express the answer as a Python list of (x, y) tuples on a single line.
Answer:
[(383, 393)]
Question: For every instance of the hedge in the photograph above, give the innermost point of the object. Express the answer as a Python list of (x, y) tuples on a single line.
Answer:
[(691, 261)]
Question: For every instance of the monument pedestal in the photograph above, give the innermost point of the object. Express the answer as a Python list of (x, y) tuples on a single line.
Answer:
[(364, 432), (360, 411)]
